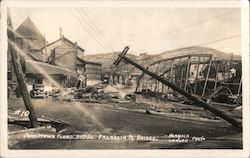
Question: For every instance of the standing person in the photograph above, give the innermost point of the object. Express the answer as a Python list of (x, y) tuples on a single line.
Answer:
[(111, 81)]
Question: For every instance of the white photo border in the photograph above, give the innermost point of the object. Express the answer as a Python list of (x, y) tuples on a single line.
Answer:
[(211, 153)]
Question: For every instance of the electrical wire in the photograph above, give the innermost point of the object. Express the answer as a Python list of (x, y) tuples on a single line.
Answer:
[(97, 30), (214, 41), (82, 26), (231, 46), (183, 28)]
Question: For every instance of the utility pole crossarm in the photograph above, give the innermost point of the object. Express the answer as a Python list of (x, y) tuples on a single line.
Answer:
[(119, 59), (196, 100)]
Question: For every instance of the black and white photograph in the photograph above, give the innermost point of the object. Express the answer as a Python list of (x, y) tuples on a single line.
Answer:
[(107, 77)]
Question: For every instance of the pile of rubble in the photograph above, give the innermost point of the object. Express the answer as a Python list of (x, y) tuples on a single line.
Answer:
[(104, 93), (100, 93)]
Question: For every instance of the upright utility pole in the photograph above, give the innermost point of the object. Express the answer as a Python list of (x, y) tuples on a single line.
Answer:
[(19, 76)]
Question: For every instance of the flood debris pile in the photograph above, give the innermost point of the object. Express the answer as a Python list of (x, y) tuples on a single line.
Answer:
[(116, 97), (24, 124), (100, 93), (19, 128)]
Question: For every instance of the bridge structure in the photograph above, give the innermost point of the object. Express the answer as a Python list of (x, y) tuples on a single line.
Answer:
[(196, 100), (201, 75)]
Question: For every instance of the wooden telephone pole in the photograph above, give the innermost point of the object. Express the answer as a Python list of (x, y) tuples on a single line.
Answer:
[(19, 75), (196, 100)]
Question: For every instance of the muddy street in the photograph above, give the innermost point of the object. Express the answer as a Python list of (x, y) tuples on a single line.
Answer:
[(96, 119)]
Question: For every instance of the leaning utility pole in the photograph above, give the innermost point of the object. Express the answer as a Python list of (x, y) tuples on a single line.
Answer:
[(196, 100), (19, 75)]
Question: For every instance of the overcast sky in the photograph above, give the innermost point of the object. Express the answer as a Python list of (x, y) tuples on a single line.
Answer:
[(151, 30)]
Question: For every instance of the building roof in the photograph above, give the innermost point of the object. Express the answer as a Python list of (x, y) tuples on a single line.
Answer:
[(63, 38), (28, 31), (36, 55), (36, 67), (89, 62)]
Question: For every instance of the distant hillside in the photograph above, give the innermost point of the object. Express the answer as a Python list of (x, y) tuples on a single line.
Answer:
[(107, 59), (196, 50)]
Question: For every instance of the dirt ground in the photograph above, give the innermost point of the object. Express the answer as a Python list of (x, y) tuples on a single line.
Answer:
[(126, 119)]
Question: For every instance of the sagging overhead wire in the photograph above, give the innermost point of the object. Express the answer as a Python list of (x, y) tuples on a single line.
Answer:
[(182, 28), (96, 29), (86, 30), (215, 41), (231, 46)]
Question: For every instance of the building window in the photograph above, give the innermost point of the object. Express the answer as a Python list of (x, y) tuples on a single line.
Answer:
[(9, 75)]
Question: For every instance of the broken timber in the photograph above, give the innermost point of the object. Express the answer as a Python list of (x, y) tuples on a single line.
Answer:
[(20, 78), (196, 100)]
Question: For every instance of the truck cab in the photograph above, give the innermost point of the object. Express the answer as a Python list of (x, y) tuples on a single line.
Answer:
[(37, 91)]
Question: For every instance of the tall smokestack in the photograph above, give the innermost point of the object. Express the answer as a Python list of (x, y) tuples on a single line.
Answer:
[(75, 45), (60, 31)]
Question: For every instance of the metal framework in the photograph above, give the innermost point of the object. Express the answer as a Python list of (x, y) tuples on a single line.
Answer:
[(189, 96), (201, 75)]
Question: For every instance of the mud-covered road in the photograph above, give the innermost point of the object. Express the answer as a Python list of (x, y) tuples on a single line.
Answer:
[(96, 119)]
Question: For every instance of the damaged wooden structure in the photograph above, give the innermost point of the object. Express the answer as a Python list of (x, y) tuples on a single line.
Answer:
[(197, 100)]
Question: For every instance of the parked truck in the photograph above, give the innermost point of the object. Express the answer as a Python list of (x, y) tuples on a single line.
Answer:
[(38, 91)]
